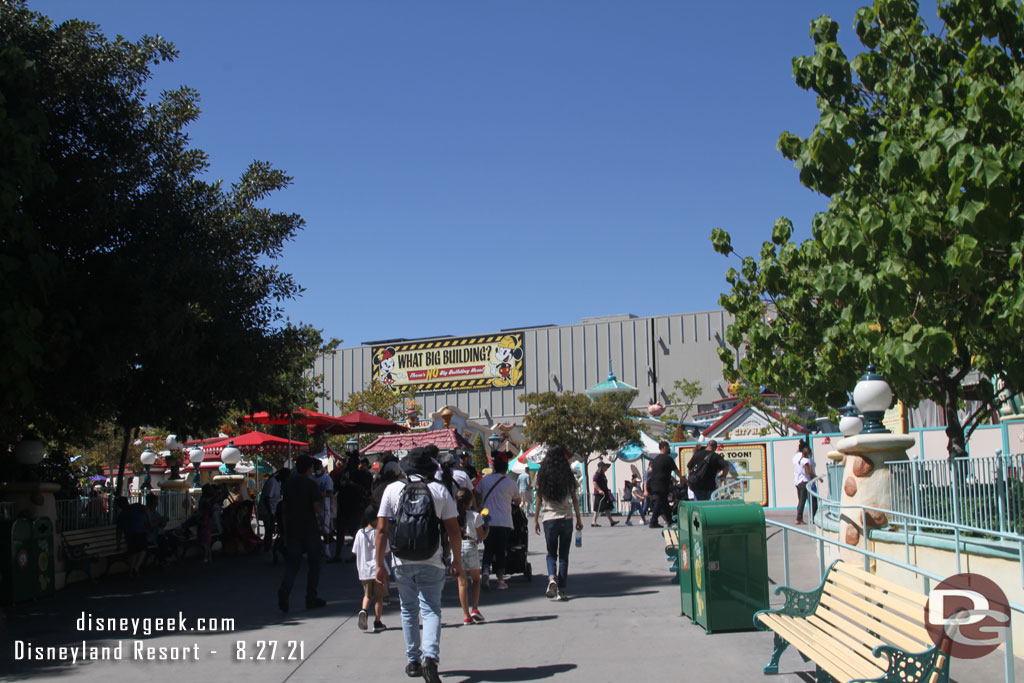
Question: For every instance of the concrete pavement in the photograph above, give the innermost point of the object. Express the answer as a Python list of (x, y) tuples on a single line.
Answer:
[(621, 623)]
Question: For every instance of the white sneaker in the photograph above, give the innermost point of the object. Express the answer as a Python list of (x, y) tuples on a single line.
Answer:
[(362, 620), (552, 587), (562, 596)]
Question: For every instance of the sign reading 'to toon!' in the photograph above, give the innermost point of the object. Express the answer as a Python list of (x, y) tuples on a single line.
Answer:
[(493, 360)]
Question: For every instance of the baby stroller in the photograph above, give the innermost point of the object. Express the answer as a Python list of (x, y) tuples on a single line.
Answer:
[(518, 545)]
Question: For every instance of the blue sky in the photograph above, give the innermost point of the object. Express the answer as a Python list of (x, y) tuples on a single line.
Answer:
[(464, 167)]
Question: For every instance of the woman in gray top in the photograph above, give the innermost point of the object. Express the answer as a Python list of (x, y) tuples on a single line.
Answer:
[(555, 508)]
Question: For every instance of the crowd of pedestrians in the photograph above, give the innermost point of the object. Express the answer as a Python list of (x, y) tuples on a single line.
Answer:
[(422, 520)]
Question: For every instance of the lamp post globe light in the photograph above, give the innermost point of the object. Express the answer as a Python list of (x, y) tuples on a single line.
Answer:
[(230, 456), (494, 441), (872, 396), (196, 456), (850, 424), (147, 458), (173, 445), (352, 446)]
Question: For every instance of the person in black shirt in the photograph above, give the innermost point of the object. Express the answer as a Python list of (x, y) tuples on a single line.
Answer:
[(302, 503), (663, 467), (702, 477)]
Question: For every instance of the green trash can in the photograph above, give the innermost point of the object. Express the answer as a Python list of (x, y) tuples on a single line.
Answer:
[(42, 541), (17, 581), (684, 562), (730, 565)]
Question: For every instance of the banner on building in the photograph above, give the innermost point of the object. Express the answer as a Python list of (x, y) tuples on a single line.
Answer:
[(745, 460), (459, 363)]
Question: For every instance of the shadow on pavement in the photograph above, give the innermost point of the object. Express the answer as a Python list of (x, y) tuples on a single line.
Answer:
[(521, 673)]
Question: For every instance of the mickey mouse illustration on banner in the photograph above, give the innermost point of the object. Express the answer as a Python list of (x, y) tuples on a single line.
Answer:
[(384, 359), (506, 352)]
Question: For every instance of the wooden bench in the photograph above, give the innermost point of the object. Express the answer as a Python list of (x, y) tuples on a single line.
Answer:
[(671, 536), (857, 626), (84, 547)]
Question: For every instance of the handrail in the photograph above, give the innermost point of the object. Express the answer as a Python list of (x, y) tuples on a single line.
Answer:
[(904, 520), (742, 483)]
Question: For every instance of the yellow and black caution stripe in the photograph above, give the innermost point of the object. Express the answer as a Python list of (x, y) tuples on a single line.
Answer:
[(444, 343)]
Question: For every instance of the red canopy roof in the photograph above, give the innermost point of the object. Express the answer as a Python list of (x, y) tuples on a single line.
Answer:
[(254, 442), (444, 439), (360, 422)]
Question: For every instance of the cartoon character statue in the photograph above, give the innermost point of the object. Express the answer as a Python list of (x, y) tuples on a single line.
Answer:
[(506, 354), (384, 359)]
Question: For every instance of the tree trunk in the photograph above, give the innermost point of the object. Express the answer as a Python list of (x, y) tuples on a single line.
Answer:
[(956, 445), (125, 441)]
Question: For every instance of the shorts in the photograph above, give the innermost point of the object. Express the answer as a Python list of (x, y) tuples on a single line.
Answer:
[(470, 556), (373, 590), (602, 503)]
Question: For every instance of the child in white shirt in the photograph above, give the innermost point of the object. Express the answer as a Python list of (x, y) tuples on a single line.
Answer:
[(474, 530), (366, 564)]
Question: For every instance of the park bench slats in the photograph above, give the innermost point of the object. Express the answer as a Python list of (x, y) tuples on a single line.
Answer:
[(82, 547), (907, 609), (823, 652), (852, 613), (886, 585), (872, 624)]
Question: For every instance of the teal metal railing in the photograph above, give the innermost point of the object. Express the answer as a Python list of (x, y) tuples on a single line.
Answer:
[(960, 533), (982, 493)]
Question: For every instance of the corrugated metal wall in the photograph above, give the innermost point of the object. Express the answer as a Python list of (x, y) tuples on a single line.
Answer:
[(571, 358)]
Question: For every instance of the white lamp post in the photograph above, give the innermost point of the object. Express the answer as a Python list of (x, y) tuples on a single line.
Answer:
[(850, 424), (196, 457), (873, 395), (147, 457), (173, 445), (230, 456)]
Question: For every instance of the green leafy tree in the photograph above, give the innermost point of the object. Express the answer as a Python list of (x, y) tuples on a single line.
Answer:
[(587, 428), (918, 263), (681, 400), (136, 293), (480, 454), (380, 400)]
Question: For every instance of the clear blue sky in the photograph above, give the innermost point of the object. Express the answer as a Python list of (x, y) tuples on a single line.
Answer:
[(469, 166)]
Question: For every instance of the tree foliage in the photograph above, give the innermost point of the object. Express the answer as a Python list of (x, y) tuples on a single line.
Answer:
[(587, 428), (479, 454), (377, 399), (681, 400), (918, 263), (135, 292)]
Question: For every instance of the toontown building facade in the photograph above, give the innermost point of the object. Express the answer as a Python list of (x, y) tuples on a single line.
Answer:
[(484, 376)]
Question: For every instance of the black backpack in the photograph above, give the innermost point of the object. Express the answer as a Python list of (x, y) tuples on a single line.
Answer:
[(699, 472), (415, 530)]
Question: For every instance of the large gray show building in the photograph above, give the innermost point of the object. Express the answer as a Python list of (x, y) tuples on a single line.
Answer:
[(485, 375)]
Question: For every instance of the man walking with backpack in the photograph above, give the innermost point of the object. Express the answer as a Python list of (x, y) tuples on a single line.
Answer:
[(411, 516), (703, 470)]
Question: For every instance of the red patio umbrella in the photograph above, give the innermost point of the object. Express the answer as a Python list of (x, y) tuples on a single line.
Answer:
[(313, 421), (255, 443), (360, 422)]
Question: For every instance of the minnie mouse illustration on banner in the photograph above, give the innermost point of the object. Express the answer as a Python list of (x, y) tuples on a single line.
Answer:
[(384, 359)]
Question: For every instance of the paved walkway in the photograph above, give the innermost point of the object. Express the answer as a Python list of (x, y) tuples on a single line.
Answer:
[(622, 623)]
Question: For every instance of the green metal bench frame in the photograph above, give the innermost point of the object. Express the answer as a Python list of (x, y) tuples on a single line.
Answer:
[(903, 667)]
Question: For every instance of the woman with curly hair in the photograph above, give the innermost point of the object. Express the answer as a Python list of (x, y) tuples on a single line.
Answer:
[(555, 507)]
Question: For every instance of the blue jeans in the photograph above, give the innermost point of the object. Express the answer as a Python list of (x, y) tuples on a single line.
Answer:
[(558, 536), (297, 546), (419, 589), (637, 507)]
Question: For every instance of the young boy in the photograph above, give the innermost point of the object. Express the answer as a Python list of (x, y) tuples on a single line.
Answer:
[(366, 563)]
